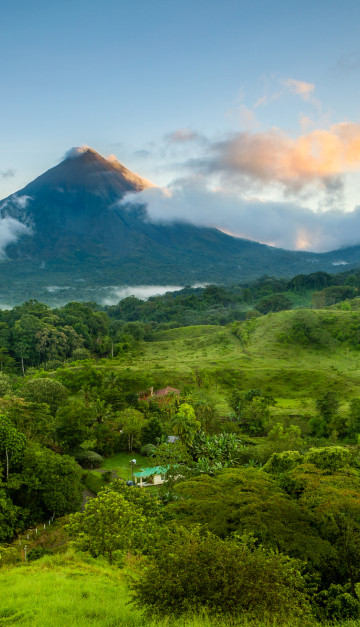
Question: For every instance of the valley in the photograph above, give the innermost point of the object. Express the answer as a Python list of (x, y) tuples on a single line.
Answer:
[(264, 461)]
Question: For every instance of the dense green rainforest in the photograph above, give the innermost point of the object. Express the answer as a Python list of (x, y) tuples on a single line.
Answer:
[(258, 521)]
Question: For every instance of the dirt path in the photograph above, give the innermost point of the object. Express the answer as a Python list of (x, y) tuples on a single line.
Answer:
[(87, 494)]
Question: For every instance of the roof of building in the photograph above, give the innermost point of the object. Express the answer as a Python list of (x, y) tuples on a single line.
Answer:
[(148, 472), (166, 391)]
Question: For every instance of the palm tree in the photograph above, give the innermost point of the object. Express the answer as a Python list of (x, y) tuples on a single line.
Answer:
[(185, 424)]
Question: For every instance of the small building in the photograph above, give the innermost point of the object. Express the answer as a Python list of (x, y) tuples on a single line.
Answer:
[(150, 476), (168, 391), (159, 395)]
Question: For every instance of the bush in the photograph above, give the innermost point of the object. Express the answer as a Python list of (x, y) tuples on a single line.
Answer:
[(306, 330), (329, 457), (276, 302), (89, 459), (36, 553), (80, 354), (338, 603), (197, 572), (282, 462), (52, 364), (107, 476), (148, 450)]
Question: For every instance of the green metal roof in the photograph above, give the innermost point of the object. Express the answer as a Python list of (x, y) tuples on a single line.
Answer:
[(155, 470)]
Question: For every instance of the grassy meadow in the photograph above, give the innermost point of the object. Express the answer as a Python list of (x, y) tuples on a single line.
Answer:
[(78, 590), (119, 466), (213, 358)]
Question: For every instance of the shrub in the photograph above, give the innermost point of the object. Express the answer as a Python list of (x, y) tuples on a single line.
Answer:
[(276, 302), (338, 603), (89, 459), (148, 450), (197, 572), (36, 553), (329, 457), (282, 462)]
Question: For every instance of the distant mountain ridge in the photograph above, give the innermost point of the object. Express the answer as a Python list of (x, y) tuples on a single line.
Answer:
[(79, 225)]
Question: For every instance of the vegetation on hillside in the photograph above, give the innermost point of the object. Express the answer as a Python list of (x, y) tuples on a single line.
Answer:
[(259, 517)]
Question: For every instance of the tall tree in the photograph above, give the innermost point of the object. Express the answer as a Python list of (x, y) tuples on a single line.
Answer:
[(132, 422), (12, 443), (185, 423)]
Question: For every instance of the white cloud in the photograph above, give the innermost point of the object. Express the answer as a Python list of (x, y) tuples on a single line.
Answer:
[(10, 231), (282, 224), (77, 151), (21, 202)]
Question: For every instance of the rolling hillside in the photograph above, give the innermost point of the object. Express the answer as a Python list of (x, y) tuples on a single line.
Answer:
[(269, 358)]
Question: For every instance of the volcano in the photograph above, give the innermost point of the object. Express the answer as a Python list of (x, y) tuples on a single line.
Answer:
[(75, 221), (74, 206)]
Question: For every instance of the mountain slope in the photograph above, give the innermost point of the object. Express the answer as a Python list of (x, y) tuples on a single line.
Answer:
[(79, 225), (73, 206)]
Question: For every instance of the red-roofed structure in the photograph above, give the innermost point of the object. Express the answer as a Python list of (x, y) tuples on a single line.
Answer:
[(150, 395)]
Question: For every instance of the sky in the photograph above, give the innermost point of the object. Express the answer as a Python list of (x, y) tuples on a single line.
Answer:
[(245, 114)]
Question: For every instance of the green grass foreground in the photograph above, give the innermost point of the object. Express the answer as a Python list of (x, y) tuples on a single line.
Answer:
[(74, 590)]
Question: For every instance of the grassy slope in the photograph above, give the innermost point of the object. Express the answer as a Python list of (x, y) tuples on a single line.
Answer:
[(76, 592), (293, 373), (81, 591)]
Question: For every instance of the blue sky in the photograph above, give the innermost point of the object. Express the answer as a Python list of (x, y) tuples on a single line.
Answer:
[(181, 91)]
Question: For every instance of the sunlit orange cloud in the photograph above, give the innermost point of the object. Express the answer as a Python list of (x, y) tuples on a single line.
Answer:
[(274, 156)]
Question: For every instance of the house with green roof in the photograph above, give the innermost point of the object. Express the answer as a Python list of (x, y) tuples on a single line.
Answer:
[(150, 476)]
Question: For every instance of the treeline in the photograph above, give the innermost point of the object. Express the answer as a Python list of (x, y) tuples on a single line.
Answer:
[(221, 305), (33, 334)]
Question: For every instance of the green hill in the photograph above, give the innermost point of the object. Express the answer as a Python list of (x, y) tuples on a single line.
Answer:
[(271, 352)]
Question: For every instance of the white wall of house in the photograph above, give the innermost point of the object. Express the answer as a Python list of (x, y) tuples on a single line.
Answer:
[(154, 480)]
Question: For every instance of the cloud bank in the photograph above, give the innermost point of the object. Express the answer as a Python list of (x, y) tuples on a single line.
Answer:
[(282, 224), (273, 157), (268, 186)]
